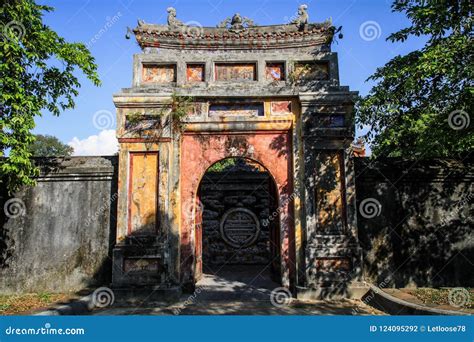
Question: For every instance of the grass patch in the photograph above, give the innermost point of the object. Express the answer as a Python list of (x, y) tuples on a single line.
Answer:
[(18, 304), (440, 296)]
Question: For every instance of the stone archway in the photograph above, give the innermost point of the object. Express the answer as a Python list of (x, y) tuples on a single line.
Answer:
[(270, 149)]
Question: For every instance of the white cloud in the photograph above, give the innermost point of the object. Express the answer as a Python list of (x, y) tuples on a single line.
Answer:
[(103, 144)]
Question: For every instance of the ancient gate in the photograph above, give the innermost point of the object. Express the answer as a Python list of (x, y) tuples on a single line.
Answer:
[(269, 94)]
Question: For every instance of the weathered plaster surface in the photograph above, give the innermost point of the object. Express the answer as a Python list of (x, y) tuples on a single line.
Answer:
[(272, 150)]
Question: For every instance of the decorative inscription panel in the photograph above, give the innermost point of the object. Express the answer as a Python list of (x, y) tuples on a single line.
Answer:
[(240, 227), (235, 72), (159, 73), (141, 265), (236, 109)]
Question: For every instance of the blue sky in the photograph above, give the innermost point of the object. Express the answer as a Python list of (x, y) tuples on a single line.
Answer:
[(80, 20)]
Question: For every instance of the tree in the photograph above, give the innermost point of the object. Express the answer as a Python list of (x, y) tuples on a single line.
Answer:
[(49, 146), (37, 72), (422, 102)]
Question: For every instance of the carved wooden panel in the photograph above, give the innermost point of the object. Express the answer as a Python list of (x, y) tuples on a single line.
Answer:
[(275, 71), (235, 72), (143, 193), (195, 72), (329, 192), (159, 73)]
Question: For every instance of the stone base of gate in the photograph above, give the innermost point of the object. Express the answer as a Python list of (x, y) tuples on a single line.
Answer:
[(140, 263), (146, 295), (355, 290), (333, 271)]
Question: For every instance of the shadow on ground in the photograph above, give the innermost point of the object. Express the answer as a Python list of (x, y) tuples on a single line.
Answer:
[(235, 292)]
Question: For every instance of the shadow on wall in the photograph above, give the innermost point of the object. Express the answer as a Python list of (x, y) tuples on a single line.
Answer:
[(415, 221), (419, 232)]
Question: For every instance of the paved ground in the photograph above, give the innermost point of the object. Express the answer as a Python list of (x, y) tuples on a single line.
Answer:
[(238, 292)]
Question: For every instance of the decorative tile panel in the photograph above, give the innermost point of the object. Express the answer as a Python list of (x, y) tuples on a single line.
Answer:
[(159, 73), (281, 108), (275, 71), (195, 72)]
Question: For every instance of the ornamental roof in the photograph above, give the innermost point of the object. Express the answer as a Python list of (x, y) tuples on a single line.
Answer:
[(235, 33)]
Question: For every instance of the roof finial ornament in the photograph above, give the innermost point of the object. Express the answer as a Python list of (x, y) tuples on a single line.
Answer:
[(303, 17), (237, 23), (172, 20)]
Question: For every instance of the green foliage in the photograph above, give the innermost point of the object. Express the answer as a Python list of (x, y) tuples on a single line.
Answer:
[(297, 75), (44, 297), (181, 106), (422, 102), (170, 115), (441, 296), (223, 165), (49, 146), (36, 73)]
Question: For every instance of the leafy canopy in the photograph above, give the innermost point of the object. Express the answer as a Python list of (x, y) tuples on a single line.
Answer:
[(422, 102), (49, 146), (36, 73)]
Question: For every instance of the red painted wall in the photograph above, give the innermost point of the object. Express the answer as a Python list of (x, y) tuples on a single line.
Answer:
[(271, 149)]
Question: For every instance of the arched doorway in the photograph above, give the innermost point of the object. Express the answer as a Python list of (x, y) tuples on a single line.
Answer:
[(237, 232), (201, 151)]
